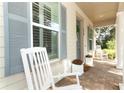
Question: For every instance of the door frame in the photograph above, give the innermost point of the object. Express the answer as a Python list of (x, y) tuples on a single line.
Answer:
[(80, 18)]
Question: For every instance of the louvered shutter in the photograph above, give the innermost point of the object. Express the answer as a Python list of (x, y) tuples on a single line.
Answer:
[(63, 36), (18, 33)]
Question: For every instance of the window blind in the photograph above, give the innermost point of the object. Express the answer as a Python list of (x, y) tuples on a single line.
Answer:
[(36, 12), (47, 39), (45, 13), (36, 36)]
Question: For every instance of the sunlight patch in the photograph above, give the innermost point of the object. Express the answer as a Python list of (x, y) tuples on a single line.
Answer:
[(115, 72)]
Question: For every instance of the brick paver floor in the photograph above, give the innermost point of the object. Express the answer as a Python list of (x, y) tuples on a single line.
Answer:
[(103, 76)]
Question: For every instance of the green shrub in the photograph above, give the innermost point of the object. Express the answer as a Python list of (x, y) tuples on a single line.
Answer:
[(110, 52), (111, 44)]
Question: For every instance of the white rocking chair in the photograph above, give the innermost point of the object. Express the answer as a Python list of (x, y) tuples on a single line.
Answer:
[(38, 72)]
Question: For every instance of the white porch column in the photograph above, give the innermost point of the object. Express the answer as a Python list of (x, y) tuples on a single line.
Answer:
[(120, 43), (120, 39)]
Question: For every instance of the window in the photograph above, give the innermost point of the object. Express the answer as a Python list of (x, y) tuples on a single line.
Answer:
[(46, 13), (46, 38), (46, 27), (90, 38)]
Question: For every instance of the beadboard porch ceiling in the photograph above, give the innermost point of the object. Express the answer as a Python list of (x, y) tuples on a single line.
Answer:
[(100, 13)]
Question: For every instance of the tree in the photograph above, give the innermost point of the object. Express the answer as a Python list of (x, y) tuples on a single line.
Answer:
[(105, 36)]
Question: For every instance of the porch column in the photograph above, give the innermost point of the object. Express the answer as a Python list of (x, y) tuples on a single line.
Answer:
[(120, 43), (120, 39)]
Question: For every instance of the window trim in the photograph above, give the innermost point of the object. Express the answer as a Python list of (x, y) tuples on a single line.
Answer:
[(46, 27)]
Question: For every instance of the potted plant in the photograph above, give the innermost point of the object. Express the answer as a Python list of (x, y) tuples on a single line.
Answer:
[(89, 59), (77, 66)]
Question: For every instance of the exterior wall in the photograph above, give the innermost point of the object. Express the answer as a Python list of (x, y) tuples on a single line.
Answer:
[(86, 23), (71, 34), (57, 67), (18, 81), (1, 41), (72, 12), (13, 82)]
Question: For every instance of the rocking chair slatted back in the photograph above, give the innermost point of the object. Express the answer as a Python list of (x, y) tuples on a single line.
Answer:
[(37, 68)]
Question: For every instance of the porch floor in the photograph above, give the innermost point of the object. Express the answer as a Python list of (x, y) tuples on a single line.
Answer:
[(103, 76)]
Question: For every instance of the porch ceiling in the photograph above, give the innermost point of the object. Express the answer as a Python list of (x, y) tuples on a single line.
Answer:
[(100, 13)]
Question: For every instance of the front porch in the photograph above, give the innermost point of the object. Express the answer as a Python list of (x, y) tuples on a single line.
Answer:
[(103, 76), (79, 42)]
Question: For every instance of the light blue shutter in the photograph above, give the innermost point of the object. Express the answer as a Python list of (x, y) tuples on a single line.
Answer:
[(17, 36), (63, 33)]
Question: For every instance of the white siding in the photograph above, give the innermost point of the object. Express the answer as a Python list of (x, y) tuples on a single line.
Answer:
[(71, 34), (18, 81), (1, 42)]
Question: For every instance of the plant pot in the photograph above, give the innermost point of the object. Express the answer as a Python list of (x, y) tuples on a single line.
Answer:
[(77, 66), (78, 69), (89, 61)]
